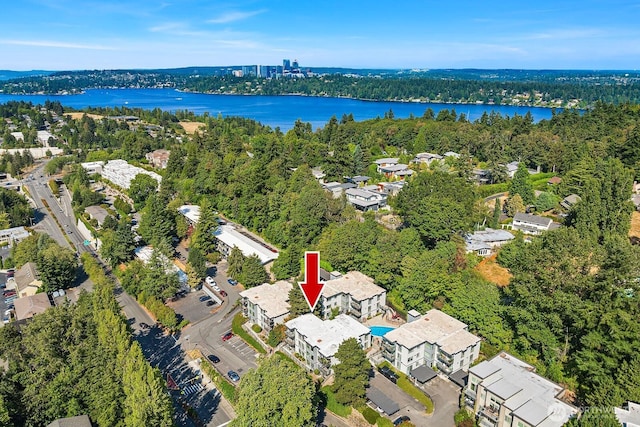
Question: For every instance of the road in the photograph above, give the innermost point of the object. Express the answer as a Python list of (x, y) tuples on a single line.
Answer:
[(164, 352)]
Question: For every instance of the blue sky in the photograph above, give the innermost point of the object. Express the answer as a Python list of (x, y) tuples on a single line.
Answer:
[(69, 35)]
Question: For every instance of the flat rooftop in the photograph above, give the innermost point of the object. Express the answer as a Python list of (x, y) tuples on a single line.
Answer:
[(327, 335), (434, 327), (358, 285), (272, 299), (249, 246)]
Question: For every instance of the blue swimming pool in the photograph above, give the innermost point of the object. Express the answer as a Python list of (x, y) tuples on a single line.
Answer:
[(378, 331)]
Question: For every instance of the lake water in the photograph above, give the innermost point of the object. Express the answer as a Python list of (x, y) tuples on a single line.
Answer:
[(273, 111)]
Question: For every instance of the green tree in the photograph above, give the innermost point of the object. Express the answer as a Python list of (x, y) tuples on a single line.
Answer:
[(276, 393), (197, 261), (497, 211), (546, 201), (351, 374), (141, 187), (595, 417), (253, 273), (203, 237), (438, 218), (57, 267), (236, 261), (297, 302), (520, 185), (157, 223), (118, 246), (513, 205)]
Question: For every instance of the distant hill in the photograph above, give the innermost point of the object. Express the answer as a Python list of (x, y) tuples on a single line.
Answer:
[(9, 75)]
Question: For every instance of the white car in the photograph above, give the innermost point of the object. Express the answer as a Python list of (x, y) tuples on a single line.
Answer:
[(209, 280)]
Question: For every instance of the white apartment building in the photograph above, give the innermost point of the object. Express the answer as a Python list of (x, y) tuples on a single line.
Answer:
[(267, 305), (228, 236), (122, 173), (434, 339), (353, 293), (506, 392), (11, 236), (317, 341)]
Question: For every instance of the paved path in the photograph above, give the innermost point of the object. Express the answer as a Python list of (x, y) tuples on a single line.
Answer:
[(446, 398)]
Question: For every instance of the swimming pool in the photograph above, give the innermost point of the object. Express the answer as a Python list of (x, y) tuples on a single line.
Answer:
[(378, 331)]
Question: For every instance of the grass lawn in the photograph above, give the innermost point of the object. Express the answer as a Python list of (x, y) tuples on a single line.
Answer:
[(236, 327), (333, 406)]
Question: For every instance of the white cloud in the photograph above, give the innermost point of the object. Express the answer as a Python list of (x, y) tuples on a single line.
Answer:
[(234, 16), (55, 44)]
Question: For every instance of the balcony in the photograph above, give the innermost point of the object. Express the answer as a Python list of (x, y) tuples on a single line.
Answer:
[(445, 358), (390, 355), (490, 413), (289, 333), (355, 305)]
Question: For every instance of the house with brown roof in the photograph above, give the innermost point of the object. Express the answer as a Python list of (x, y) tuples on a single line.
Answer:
[(27, 280), (27, 307)]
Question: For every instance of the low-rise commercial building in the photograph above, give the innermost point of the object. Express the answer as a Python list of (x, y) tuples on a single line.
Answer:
[(267, 305), (317, 341), (227, 236), (434, 339), (506, 392), (353, 293)]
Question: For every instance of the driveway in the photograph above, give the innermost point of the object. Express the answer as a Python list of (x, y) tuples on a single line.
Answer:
[(446, 399), (408, 405)]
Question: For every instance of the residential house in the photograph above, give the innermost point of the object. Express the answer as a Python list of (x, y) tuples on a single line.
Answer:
[(397, 171), (531, 224), (391, 188), (480, 176), (77, 421), (318, 173), (267, 305), (44, 136), (14, 235), (483, 242), (433, 340), (317, 341), (506, 392), (97, 213), (426, 158), (570, 201), (353, 293), (635, 199), (512, 168), (158, 158), (452, 154), (554, 180), (29, 306), (358, 180), (227, 236), (337, 189), (366, 200), (628, 416), (386, 162), (27, 280)]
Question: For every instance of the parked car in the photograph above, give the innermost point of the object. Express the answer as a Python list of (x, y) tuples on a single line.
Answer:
[(204, 298), (400, 420), (213, 358), (227, 336), (11, 272), (211, 303), (216, 287), (209, 280), (232, 282), (233, 376), (144, 325), (389, 374), (223, 293)]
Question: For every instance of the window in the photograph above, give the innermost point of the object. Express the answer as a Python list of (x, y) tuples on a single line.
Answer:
[(507, 420)]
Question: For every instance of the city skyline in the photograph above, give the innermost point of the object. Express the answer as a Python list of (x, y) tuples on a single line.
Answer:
[(72, 35)]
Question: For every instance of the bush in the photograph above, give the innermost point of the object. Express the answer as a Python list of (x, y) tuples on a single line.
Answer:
[(463, 418), (276, 335), (236, 327), (257, 329), (369, 414), (226, 388), (333, 405)]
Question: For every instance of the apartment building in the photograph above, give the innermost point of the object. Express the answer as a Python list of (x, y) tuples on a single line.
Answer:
[(14, 235), (317, 341), (122, 173), (267, 305), (353, 293), (506, 392), (434, 339)]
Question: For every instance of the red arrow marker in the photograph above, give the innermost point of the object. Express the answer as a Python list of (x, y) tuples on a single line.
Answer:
[(311, 287)]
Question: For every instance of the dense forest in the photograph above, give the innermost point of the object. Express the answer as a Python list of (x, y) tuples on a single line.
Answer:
[(572, 306), (500, 87), (80, 359)]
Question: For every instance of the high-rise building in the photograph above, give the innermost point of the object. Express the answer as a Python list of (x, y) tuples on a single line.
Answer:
[(263, 71), (294, 64), (286, 65)]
